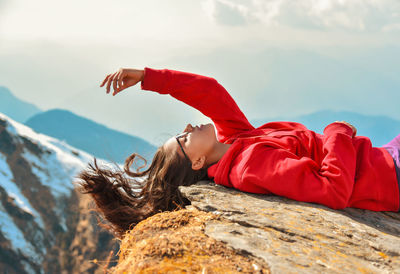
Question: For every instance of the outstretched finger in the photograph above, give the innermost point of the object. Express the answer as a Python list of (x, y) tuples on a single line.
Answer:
[(109, 82), (105, 80), (116, 80), (120, 76), (116, 90)]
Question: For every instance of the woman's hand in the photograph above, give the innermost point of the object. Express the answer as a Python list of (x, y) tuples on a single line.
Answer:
[(350, 125), (122, 79)]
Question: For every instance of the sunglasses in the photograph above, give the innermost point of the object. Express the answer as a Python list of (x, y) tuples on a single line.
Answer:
[(177, 137)]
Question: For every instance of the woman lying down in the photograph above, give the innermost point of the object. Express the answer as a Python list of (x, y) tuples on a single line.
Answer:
[(337, 168)]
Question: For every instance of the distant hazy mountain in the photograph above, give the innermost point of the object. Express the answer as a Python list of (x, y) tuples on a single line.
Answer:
[(90, 136), (379, 129), (15, 108)]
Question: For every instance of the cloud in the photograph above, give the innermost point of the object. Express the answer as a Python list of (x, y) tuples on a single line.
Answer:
[(355, 15), (226, 12)]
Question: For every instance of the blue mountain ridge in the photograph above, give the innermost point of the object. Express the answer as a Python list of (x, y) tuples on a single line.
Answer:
[(380, 129), (92, 137), (14, 107)]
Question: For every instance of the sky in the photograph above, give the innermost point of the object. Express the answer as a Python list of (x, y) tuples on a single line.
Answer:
[(275, 57)]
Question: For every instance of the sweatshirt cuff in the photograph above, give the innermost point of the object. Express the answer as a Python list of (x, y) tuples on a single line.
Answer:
[(338, 128), (154, 79)]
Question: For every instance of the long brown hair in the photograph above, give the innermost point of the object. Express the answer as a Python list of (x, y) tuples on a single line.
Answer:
[(124, 198)]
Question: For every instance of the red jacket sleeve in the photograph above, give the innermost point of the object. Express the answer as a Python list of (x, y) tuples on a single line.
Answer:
[(204, 94), (301, 178)]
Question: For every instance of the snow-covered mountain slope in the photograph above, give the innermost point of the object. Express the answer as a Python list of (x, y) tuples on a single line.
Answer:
[(39, 208)]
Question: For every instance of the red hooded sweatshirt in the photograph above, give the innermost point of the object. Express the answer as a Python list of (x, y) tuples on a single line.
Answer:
[(285, 158)]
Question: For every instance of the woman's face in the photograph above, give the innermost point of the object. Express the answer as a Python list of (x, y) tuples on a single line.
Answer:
[(196, 141)]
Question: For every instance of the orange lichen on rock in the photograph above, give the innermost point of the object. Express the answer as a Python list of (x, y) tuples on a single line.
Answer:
[(174, 242)]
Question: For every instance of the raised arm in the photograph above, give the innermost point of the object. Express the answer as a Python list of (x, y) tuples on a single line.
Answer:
[(201, 92)]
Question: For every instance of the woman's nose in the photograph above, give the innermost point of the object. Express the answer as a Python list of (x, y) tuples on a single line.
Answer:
[(189, 128)]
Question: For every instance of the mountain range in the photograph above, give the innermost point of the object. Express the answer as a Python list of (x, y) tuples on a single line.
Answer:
[(45, 225), (92, 137), (14, 107)]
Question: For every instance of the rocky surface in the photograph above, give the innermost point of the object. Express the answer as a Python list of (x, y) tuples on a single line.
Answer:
[(224, 230), (174, 242), (300, 237)]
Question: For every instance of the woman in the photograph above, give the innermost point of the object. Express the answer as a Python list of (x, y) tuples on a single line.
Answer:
[(337, 169)]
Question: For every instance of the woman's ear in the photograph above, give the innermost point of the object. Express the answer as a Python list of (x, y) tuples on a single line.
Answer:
[(199, 163)]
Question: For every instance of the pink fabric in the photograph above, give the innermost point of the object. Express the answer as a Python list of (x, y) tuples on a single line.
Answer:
[(393, 147)]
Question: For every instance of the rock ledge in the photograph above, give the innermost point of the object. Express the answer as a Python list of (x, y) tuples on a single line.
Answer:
[(263, 233)]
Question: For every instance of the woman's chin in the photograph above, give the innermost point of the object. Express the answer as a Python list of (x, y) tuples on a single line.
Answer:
[(213, 130)]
